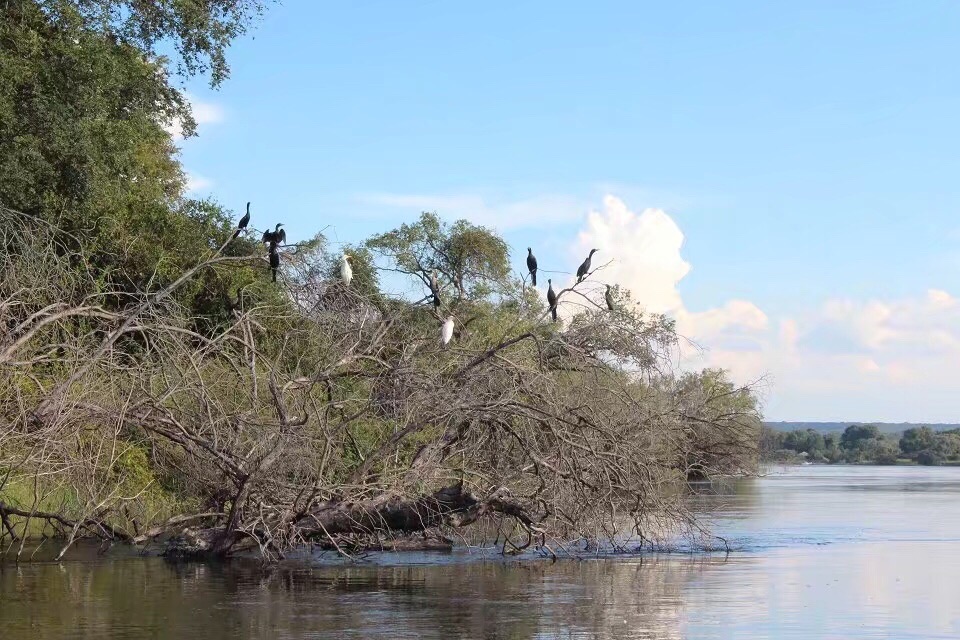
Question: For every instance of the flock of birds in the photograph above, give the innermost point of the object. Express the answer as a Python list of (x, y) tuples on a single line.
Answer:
[(278, 237)]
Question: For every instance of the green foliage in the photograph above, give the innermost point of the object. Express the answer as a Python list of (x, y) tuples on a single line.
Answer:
[(855, 436), (200, 32), (882, 450), (366, 278), (806, 441), (82, 143), (471, 261), (863, 444), (917, 439), (726, 430)]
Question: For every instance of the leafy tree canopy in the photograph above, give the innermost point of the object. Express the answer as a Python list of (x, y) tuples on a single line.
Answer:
[(83, 104), (917, 439), (469, 259)]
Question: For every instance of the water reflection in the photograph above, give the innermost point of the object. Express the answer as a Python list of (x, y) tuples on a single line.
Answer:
[(827, 552)]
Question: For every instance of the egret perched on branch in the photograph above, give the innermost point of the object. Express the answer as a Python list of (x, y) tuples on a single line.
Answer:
[(346, 272), (446, 331), (435, 289), (532, 266), (274, 260), (552, 299), (277, 236), (244, 221), (584, 268), (609, 296)]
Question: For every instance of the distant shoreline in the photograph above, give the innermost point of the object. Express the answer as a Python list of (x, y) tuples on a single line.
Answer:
[(838, 427)]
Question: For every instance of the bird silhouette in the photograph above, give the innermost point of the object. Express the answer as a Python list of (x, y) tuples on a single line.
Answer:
[(552, 299), (277, 236), (584, 268), (244, 221), (274, 260), (435, 289)]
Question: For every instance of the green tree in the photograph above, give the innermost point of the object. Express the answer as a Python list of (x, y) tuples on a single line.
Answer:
[(809, 441), (471, 261), (831, 448), (948, 444), (917, 439), (83, 104), (199, 32), (725, 434), (880, 450)]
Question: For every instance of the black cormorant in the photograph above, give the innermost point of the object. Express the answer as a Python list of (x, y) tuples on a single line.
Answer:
[(552, 299), (277, 236), (274, 260), (532, 266), (584, 268), (435, 289), (609, 296), (244, 221)]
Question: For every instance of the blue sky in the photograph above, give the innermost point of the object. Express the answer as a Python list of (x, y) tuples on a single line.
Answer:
[(807, 153)]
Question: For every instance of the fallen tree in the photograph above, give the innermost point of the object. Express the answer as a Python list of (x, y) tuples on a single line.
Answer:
[(333, 415)]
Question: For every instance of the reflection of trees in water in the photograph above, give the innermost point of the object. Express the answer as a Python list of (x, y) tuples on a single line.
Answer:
[(152, 598), (726, 498)]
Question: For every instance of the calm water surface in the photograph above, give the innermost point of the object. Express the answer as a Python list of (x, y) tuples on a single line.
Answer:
[(820, 552)]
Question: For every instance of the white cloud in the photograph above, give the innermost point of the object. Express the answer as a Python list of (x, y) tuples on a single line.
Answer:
[(197, 183), (891, 359), (641, 252), (491, 212), (204, 113)]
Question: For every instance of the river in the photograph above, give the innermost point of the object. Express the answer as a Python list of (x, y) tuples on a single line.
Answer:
[(819, 552)]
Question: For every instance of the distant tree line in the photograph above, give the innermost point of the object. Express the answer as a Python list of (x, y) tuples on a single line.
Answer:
[(863, 444)]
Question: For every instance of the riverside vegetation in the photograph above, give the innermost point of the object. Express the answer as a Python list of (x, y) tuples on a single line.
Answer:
[(156, 385), (863, 444)]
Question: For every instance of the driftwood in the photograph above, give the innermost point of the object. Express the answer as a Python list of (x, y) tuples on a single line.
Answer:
[(382, 523)]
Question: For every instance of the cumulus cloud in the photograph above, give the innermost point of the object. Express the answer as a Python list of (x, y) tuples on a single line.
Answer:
[(641, 252), (204, 113), (492, 212), (892, 359)]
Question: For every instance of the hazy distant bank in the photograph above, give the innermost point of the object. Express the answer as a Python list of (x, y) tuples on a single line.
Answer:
[(885, 443), (839, 427)]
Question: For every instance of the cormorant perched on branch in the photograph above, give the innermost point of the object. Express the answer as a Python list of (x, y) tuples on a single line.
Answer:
[(277, 236), (584, 268), (446, 331), (552, 299), (609, 296), (435, 289), (244, 221), (346, 273), (274, 260), (532, 266)]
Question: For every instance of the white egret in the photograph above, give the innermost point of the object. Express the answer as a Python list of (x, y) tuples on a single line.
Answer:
[(446, 331), (346, 272)]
